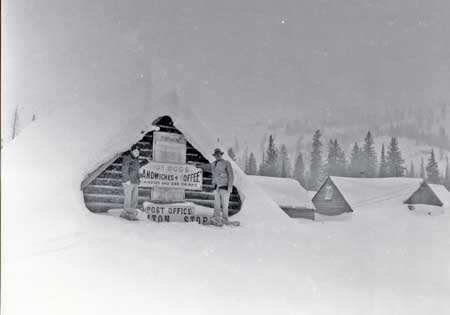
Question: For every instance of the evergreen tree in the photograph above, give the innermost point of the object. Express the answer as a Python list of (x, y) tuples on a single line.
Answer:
[(299, 170), (316, 162), (252, 169), (369, 157), (270, 163), (355, 167), (331, 167), (394, 159), (447, 176), (243, 161), (341, 163), (336, 162), (432, 170), (412, 172), (422, 168), (384, 168), (231, 154), (285, 163)]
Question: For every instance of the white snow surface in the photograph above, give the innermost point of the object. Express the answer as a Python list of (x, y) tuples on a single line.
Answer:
[(442, 193), (376, 192), (58, 258), (286, 192)]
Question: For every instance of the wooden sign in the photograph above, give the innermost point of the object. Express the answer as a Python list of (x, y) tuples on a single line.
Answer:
[(169, 175), (180, 212), (168, 148)]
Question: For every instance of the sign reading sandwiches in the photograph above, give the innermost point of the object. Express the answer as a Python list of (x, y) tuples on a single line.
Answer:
[(171, 175)]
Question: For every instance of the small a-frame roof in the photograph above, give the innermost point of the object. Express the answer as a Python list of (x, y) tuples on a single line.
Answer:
[(441, 193)]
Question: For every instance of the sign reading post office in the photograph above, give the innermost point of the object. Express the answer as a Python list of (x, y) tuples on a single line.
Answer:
[(171, 175)]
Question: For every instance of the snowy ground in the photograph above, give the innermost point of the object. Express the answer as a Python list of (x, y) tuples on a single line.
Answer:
[(58, 258)]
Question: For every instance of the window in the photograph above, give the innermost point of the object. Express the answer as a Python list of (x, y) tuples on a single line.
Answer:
[(328, 192)]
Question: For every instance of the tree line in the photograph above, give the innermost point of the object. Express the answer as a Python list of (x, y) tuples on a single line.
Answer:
[(363, 161)]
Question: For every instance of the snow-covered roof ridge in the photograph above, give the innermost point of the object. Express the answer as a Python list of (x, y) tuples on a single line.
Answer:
[(442, 193), (362, 192), (286, 192)]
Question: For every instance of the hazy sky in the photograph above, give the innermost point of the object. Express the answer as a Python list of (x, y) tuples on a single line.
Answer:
[(227, 55)]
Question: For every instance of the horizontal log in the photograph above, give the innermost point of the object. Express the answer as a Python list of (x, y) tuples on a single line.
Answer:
[(110, 198), (145, 192), (113, 190)]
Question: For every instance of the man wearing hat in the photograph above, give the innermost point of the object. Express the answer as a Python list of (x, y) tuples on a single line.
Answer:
[(223, 184), (130, 182)]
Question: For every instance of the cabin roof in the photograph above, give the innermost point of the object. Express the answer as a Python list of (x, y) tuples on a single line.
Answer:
[(361, 192), (286, 192), (442, 193)]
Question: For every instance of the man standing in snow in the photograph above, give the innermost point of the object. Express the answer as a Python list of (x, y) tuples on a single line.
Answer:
[(130, 183), (223, 183)]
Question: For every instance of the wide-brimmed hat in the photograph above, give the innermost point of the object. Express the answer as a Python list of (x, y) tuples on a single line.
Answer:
[(134, 147), (217, 151)]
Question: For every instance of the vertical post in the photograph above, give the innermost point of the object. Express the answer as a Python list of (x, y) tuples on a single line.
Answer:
[(16, 114)]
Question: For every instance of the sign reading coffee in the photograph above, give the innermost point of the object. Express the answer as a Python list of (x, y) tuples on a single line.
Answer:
[(171, 175)]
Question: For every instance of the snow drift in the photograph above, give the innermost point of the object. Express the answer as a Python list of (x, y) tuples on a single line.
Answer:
[(58, 258)]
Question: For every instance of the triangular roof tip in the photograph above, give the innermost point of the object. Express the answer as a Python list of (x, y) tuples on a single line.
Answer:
[(120, 132), (439, 191), (442, 193), (361, 192)]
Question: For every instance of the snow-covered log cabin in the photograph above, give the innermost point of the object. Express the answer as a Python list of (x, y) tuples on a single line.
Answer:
[(430, 194), (288, 194), (103, 190), (339, 195)]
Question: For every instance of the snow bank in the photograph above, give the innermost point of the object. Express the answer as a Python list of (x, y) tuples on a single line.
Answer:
[(286, 192), (58, 258)]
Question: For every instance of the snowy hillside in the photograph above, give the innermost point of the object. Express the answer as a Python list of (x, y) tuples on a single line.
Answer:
[(58, 258)]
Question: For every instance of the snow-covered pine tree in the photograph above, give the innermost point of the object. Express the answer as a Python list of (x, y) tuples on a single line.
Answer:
[(252, 168), (231, 154), (331, 167), (411, 172), (299, 170), (369, 157), (355, 167), (432, 169), (384, 168), (394, 159), (422, 168), (316, 162), (244, 160), (447, 176), (341, 162), (285, 163), (269, 165)]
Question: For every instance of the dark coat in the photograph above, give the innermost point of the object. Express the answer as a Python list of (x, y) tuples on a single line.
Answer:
[(130, 169)]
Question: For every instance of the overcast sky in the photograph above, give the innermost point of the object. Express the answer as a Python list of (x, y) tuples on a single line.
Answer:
[(229, 55)]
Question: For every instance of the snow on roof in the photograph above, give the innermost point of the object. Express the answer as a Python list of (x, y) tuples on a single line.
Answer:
[(362, 192), (442, 193), (286, 192), (48, 161)]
